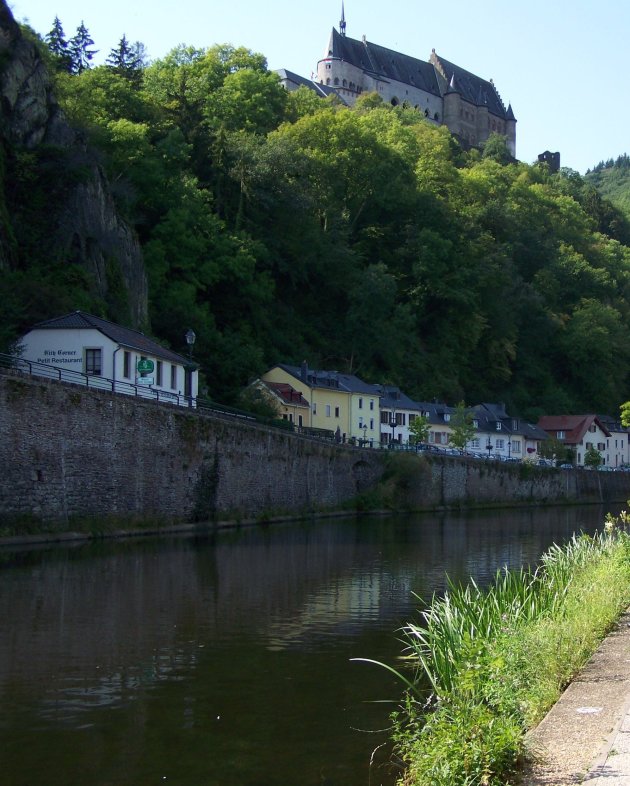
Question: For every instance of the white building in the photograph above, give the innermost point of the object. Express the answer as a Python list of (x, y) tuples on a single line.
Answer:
[(582, 433), (111, 356)]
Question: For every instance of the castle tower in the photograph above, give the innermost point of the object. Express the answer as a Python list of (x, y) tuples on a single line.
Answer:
[(452, 107), (510, 130), (482, 119)]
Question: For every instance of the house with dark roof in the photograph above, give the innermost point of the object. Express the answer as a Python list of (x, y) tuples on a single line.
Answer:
[(288, 402), (397, 413), (340, 403), (579, 432), (93, 346), (504, 436), (445, 93), (618, 444), (438, 415)]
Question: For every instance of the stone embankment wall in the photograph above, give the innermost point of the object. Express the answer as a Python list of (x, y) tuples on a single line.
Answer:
[(455, 482), (68, 452)]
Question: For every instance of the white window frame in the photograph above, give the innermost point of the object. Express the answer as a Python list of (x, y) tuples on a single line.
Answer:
[(98, 353)]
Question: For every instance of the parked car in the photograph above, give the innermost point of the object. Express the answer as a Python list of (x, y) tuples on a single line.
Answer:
[(566, 466)]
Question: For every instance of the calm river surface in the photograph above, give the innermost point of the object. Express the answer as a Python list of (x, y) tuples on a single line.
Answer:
[(225, 660)]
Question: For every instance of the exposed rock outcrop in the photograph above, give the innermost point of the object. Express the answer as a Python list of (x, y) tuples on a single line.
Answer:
[(89, 230)]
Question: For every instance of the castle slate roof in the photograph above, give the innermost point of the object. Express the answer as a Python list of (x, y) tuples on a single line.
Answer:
[(384, 63), (126, 337), (473, 89), (301, 81), (438, 76)]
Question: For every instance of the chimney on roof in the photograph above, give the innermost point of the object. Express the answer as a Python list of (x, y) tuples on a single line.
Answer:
[(304, 371)]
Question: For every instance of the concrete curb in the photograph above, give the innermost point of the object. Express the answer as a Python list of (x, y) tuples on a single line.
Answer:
[(579, 737)]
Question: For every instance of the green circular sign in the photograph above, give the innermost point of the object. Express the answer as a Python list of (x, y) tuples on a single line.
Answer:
[(145, 366)]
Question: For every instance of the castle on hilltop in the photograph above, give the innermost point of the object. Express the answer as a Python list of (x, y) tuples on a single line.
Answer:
[(446, 94)]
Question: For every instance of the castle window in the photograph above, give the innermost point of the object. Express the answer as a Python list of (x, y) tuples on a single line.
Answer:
[(426, 112), (336, 80), (394, 102), (345, 83), (436, 116), (328, 81), (352, 85), (328, 65)]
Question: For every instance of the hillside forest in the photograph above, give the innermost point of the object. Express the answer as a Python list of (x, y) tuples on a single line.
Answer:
[(283, 227)]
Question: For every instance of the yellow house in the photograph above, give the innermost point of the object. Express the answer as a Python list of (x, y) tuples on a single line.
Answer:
[(340, 403)]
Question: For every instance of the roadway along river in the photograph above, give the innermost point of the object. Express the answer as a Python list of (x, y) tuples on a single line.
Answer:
[(225, 660)]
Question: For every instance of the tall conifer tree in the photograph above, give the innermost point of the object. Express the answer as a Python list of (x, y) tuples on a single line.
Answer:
[(80, 49), (58, 46)]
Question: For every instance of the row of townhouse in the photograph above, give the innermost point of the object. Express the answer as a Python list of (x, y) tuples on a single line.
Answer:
[(128, 361), (371, 414)]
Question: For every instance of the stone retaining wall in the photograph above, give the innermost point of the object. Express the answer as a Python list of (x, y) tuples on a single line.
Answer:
[(68, 452)]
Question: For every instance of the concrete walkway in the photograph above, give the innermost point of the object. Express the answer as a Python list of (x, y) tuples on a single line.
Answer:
[(585, 738)]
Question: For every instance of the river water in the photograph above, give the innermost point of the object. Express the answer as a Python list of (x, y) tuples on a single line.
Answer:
[(226, 660)]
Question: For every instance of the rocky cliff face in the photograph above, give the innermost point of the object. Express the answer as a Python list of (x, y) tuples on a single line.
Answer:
[(89, 230)]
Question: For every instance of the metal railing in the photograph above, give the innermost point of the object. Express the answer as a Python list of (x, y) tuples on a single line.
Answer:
[(93, 381), (196, 404)]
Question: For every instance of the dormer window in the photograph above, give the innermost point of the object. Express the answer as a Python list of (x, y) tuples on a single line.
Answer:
[(447, 417), (498, 425), (560, 434), (475, 423)]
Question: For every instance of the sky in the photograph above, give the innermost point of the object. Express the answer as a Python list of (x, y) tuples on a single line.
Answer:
[(562, 66)]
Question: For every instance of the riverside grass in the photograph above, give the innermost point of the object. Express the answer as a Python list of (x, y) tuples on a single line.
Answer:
[(488, 664)]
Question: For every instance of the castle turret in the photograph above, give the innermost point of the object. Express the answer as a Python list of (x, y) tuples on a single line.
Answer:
[(452, 107), (510, 130), (482, 119)]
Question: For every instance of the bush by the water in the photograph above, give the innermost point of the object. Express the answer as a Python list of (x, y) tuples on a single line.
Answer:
[(488, 664)]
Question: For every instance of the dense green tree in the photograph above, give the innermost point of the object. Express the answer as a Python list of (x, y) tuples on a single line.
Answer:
[(462, 426), (496, 149), (592, 458), (284, 226), (419, 429)]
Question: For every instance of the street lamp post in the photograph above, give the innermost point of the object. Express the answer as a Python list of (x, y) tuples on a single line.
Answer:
[(191, 336), (364, 434), (392, 423), (489, 447)]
